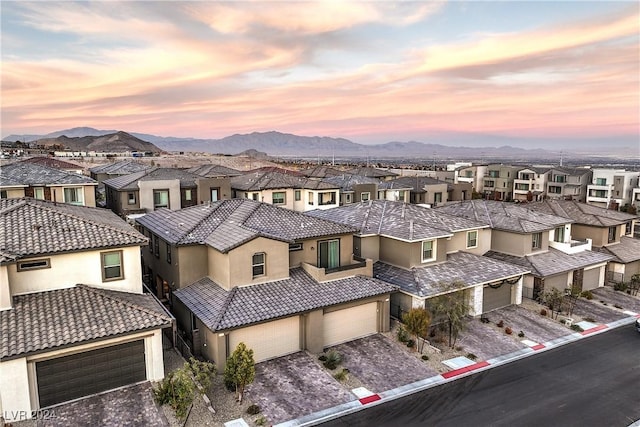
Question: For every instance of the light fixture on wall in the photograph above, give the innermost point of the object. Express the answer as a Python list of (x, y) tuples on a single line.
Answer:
[(312, 248)]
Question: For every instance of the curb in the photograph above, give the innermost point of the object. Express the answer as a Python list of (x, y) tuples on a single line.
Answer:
[(415, 387)]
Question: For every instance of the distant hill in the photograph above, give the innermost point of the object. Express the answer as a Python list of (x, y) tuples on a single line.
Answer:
[(116, 141)]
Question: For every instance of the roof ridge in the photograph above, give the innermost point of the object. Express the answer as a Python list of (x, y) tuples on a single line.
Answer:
[(484, 205), (15, 206), (121, 301), (225, 306)]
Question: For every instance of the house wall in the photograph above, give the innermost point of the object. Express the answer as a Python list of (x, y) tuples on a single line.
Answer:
[(516, 244), (559, 281), (369, 247), (146, 193), (309, 252), (358, 189), (598, 235), (89, 194), (191, 262), (204, 186), (5, 290), (15, 398), (408, 254), (14, 193), (459, 242), (83, 267)]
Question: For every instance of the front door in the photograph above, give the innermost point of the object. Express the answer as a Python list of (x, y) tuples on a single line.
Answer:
[(215, 194), (329, 254)]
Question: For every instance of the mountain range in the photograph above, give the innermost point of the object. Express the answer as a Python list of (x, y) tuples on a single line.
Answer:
[(87, 139), (288, 145)]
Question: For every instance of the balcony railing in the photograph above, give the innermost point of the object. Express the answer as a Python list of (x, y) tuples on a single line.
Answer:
[(357, 266), (572, 247)]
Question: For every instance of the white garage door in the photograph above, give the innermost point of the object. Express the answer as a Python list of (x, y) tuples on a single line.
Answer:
[(351, 323), (269, 340)]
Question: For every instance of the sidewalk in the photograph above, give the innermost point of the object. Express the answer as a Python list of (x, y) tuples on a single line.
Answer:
[(370, 399)]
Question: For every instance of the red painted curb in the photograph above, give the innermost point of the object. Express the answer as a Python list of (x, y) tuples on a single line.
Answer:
[(369, 399), (466, 369), (538, 347), (597, 328), (638, 316)]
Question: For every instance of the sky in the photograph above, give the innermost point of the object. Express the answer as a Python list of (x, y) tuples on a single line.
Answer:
[(371, 72)]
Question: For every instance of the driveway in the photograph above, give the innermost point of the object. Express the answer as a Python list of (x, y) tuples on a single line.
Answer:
[(486, 340), (597, 311), (295, 385), (611, 297), (536, 328), (381, 364)]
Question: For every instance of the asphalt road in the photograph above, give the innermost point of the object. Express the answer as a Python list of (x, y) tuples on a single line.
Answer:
[(591, 382)]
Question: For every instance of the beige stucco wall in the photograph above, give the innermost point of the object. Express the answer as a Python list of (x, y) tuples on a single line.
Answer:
[(409, 254), (89, 194), (204, 186), (313, 330), (146, 193), (14, 193), (559, 281), (370, 247), (5, 290), (191, 263), (459, 242), (84, 267), (15, 399), (309, 252), (598, 235), (516, 244)]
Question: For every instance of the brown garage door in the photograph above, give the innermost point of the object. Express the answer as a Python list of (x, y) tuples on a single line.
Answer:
[(493, 298), (78, 375)]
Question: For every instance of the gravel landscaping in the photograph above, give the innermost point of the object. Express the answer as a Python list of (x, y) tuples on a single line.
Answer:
[(612, 298)]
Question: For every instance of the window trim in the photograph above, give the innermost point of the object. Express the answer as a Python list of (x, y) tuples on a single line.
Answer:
[(536, 241), (433, 250), (297, 195), (557, 233), (104, 266), (168, 246), (262, 264), (35, 193), (158, 191), (328, 241), (46, 261), (284, 198), (79, 193), (610, 238), (368, 193), (295, 247), (129, 194), (475, 245), (347, 198)]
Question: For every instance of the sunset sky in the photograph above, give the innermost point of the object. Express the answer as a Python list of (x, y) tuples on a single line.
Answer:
[(371, 72)]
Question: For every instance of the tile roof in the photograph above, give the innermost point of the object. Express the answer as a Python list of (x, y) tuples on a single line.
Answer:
[(570, 171), (124, 167), (416, 183), (505, 216), (470, 270), (227, 224), (212, 171), (553, 261), (347, 181), (371, 172), (220, 309), (398, 220), (626, 251), (271, 180), (52, 162), (33, 174), (582, 213), (36, 227), (130, 182), (321, 172), (43, 321)]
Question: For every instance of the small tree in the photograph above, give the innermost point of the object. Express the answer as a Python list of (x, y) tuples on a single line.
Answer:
[(240, 369), (452, 307), (553, 299), (417, 321), (634, 285), (571, 298), (179, 387)]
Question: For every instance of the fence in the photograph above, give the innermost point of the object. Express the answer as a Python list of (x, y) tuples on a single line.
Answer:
[(183, 347)]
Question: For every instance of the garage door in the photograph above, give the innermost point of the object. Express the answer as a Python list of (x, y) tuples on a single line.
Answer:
[(496, 298), (591, 279), (78, 375), (269, 340), (350, 323)]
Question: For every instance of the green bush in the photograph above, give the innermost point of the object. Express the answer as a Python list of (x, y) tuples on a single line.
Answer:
[(402, 334), (587, 294), (322, 358), (411, 343), (253, 410), (521, 334), (543, 312), (333, 360), (425, 357), (341, 375), (620, 286), (471, 356), (261, 421), (577, 328), (563, 321)]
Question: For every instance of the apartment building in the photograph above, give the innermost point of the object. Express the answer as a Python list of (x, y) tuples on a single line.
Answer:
[(498, 182), (531, 184), (612, 188), (568, 183)]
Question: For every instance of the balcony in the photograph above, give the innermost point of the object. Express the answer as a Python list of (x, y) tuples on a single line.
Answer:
[(357, 266), (572, 246)]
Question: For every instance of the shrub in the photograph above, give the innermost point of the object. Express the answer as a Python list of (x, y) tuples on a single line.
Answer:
[(333, 360), (261, 421), (543, 312), (521, 334), (411, 343), (425, 357), (341, 375), (471, 356), (587, 294), (459, 348), (617, 306), (500, 324), (589, 319), (620, 286), (322, 358), (576, 328), (563, 321), (253, 410), (508, 330), (402, 334)]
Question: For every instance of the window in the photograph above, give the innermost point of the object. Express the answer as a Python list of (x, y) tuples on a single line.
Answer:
[(38, 193), (437, 198), (627, 228), (598, 193), (279, 198), (472, 239), (187, 194), (215, 194), (3, 194), (561, 178), (494, 174), (35, 264), (555, 189), (168, 252), (489, 184), (310, 195), (73, 195), (365, 196), (297, 195), (295, 247), (347, 198), (131, 198), (258, 264), (327, 198), (612, 234), (520, 186), (255, 196), (112, 266), (156, 246), (329, 254), (160, 199), (381, 195), (601, 181), (401, 195), (536, 241), (428, 253), (558, 235)]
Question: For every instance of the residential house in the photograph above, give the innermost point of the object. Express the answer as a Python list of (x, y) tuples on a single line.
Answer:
[(73, 315), (322, 172), (370, 172), (22, 179), (531, 184), (214, 171), (424, 190), (498, 182), (428, 253), (112, 170), (289, 190), (354, 188), (542, 243), (635, 197), (473, 175), (278, 280), (568, 183), (396, 190), (52, 162), (610, 231), (155, 188), (612, 188)]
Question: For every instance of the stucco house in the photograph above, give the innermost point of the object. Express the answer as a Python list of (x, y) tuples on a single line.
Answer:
[(498, 181), (423, 251), (73, 315), (52, 162), (542, 243), (289, 189), (278, 280), (355, 188), (612, 188), (114, 169), (531, 184), (568, 183), (610, 231), (24, 179)]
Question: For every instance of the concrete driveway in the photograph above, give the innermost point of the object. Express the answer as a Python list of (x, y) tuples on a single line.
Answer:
[(381, 364)]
